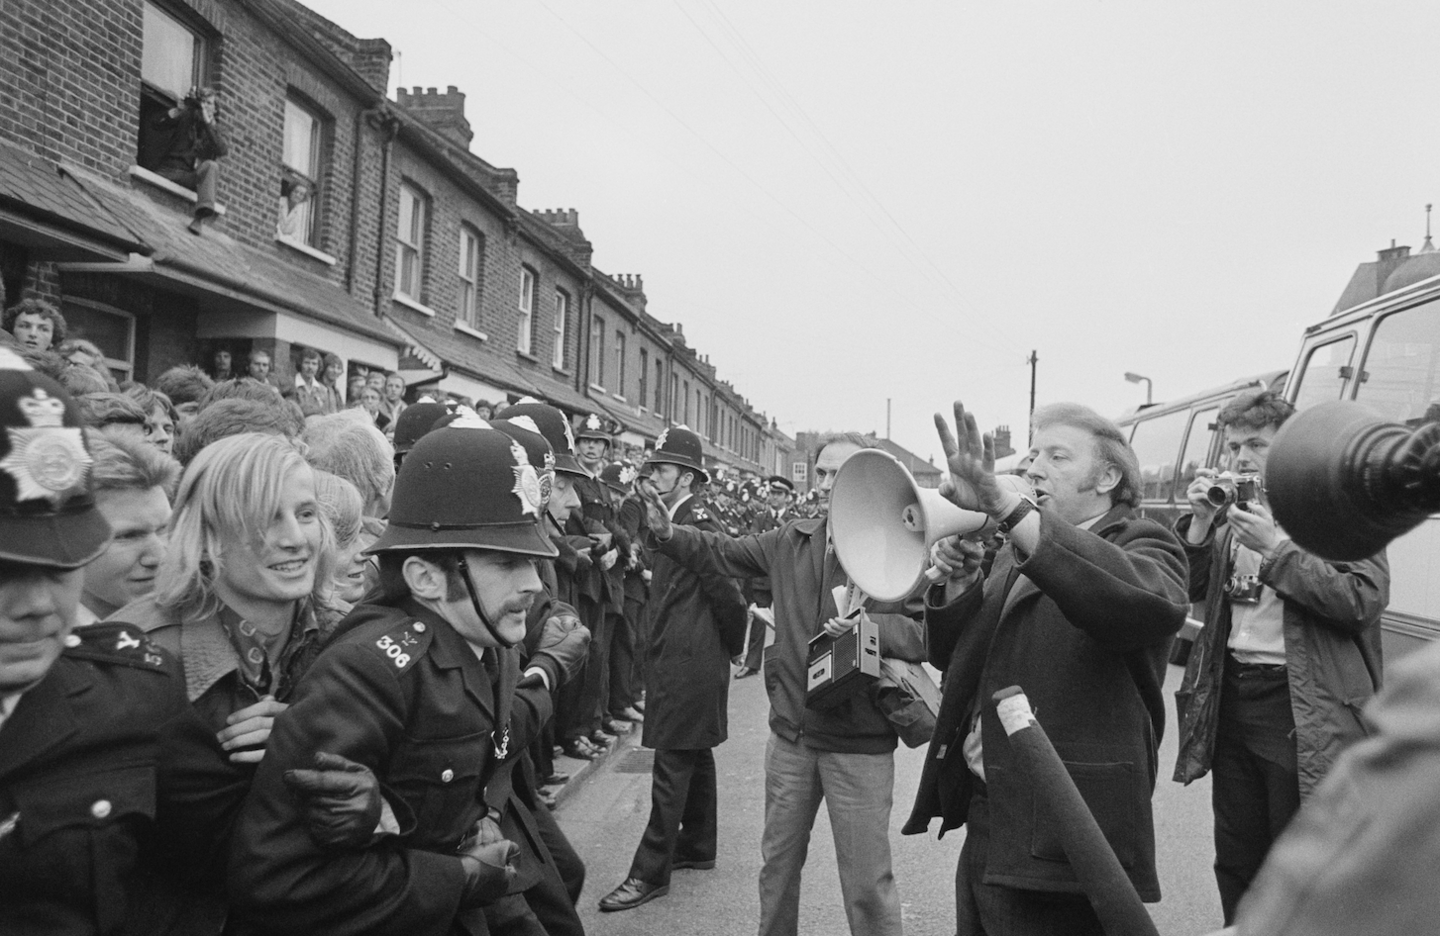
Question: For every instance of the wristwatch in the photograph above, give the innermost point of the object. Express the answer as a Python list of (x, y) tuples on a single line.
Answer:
[(1021, 511)]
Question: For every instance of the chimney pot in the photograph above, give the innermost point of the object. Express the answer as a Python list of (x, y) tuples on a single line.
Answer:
[(430, 91), (452, 90), (418, 90)]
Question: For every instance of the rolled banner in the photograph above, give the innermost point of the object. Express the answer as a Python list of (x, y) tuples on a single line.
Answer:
[(1091, 858)]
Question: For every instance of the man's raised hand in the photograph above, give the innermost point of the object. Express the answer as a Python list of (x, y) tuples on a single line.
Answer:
[(657, 516), (971, 458)]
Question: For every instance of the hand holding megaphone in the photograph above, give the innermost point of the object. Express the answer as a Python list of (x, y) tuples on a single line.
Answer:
[(970, 454), (956, 559)]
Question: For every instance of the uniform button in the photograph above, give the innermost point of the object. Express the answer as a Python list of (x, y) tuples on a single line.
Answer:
[(100, 808), (419, 627), (447, 775), (72, 640)]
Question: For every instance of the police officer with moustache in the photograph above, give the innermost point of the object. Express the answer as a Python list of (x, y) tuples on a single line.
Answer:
[(423, 686), (779, 492), (697, 622)]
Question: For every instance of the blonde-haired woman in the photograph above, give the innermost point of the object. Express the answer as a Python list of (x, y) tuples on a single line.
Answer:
[(243, 595)]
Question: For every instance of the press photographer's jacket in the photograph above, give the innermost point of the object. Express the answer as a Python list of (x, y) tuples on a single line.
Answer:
[(1086, 638), (1332, 649)]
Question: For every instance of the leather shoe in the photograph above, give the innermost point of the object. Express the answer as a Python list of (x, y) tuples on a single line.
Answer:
[(548, 798), (632, 714), (682, 864), (640, 704), (556, 778), (580, 749), (617, 727), (745, 671), (601, 738), (631, 894)]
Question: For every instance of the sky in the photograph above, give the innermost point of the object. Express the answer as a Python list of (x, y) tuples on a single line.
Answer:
[(847, 203)]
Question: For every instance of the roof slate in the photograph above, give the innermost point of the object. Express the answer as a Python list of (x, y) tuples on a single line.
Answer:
[(43, 190)]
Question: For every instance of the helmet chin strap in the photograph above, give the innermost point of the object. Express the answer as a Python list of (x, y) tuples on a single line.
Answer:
[(479, 611)]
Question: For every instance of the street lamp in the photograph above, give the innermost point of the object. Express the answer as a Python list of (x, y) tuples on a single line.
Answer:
[(1136, 378)]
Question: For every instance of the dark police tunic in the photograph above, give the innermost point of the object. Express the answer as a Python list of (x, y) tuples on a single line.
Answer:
[(106, 774), (401, 692)]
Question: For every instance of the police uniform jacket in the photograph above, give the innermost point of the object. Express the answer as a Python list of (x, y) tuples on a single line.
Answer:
[(697, 623), (1086, 634), (401, 692), (105, 773)]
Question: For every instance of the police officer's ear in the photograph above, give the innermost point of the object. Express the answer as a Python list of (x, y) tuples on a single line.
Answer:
[(687, 479), (1108, 479), (425, 579)]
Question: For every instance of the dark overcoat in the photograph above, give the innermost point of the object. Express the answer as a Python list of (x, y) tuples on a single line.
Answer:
[(1086, 634), (697, 623)]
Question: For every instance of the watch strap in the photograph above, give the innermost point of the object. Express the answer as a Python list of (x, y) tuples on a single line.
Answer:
[(1021, 511)]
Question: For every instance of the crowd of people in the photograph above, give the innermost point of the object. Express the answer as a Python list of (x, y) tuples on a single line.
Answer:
[(275, 663)]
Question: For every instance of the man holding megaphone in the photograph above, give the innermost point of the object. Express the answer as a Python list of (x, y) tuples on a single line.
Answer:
[(1079, 610)]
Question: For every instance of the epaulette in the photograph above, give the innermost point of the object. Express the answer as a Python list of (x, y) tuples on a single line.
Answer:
[(124, 644), (403, 644), (699, 514)]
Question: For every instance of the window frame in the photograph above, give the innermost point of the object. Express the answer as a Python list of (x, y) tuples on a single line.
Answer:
[(560, 328), (525, 309), (313, 172), (1303, 373), (643, 395), (403, 248), (125, 367), (619, 389), (467, 312)]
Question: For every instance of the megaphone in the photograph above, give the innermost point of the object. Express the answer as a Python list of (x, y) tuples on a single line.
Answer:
[(883, 523)]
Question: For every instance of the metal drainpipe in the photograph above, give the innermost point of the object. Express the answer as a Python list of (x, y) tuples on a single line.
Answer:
[(391, 127), (360, 118)]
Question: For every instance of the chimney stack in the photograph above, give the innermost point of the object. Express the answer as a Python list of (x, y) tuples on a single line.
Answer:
[(443, 113)]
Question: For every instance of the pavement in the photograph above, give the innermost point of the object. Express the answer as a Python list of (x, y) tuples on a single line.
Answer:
[(604, 806)]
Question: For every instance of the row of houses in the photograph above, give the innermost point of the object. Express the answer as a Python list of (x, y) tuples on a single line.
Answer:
[(412, 254)]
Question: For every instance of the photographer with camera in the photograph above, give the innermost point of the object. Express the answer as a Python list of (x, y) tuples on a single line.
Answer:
[(183, 145), (1289, 653)]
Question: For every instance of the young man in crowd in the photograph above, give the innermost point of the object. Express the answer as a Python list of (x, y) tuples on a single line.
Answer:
[(1289, 654), (1102, 591), (424, 688), (697, 624), (36, 324), (259, 369), (844, 756), (134, 485), (314, 396)]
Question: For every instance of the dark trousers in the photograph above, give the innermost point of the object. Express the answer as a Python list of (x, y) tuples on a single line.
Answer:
[(991, 910), (580, 698), (622, 666), (1255, 788), (640, 642), (203, 180), (553, 899), (682, 814)]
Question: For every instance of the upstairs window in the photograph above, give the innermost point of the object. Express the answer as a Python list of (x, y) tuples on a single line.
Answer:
[(471, 252), (659, 386), (173, 60), (597, 351), (527, 309), (562, 316), (643, 396), (620, 363), (410, 243), (299, 182)]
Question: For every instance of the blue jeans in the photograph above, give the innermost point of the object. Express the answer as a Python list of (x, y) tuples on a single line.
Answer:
[(857, 790)]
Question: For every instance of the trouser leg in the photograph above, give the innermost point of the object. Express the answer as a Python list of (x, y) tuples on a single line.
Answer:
[(207, 178), (622, 663), (792, 797), (755, 643), (639, 628), (698, 824), (858, 790), (669, 791), (553, 900)]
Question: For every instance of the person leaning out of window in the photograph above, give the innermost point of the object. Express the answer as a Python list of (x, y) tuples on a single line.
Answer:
[(186, 143)]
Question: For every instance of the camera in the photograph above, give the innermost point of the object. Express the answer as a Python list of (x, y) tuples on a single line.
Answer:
[(1232, 488), (1243, 589)]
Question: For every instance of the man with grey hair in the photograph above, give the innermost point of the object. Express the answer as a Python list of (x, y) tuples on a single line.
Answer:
[(348, 444), (845, 755), (1078, 610)]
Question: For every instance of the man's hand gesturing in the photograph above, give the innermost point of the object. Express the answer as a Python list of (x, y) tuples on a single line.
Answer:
[(971, 456), (657, 515)]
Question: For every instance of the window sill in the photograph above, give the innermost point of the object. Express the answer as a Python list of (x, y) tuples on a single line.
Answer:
[(409, 303), (596, 386), (306, 249), (527, 356), (160, 182), (560, 370), (621, 398), (472, 332)]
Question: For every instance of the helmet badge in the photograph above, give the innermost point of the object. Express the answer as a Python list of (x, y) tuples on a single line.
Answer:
[(46, 460), (528, 486)]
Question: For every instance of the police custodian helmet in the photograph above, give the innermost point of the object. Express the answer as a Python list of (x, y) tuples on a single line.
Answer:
[(593, 427), (47, 506), (554, 427), (679, 445), (467, 486)]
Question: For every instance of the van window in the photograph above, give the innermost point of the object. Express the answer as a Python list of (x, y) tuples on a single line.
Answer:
[(1156, 443), (1325, 373), (1197, 447), (1398, 378)]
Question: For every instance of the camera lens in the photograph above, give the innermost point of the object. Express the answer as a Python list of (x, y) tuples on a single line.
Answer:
[(1219, 495)]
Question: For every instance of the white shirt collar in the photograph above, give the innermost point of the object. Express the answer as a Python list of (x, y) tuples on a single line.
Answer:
[(676, 505)]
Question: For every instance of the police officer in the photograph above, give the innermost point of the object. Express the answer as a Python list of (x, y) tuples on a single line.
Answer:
[(423, 687), (697, 621), (627, 670), (105, 770)]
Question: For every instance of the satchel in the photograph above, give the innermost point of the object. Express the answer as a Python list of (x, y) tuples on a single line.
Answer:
[(909, 698)]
